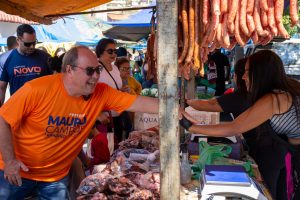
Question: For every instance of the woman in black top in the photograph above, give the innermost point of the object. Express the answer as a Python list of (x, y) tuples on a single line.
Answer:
[(234, 103), (275, 104)]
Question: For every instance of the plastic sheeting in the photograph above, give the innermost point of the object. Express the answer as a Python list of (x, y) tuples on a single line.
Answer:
[(69, 29)]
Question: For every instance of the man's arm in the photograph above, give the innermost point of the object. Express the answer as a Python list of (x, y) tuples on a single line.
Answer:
[(210, 105), (144, 104), (11, 165), (3, 86)]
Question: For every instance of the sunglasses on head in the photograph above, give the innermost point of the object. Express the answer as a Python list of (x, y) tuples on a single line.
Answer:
[(91, 70), (111, 51)]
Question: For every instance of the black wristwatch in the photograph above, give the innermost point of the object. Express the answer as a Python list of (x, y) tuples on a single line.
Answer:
[(185, 123)]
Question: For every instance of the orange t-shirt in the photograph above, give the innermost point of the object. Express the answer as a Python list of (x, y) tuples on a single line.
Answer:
[(49, 127)]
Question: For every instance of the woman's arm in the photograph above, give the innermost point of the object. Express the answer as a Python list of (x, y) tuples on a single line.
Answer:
[(260, 112), (210, 105)]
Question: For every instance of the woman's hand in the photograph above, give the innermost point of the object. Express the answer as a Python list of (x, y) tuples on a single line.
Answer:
[(186, 121), (187, 116)]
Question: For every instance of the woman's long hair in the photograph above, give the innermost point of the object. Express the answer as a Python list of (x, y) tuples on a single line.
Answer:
[(239, 70), (266, 75)]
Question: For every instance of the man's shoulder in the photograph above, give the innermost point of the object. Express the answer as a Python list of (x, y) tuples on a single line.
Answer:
[(4, 56), (42, 53), (46, 81), (102, 86), (7, 55)]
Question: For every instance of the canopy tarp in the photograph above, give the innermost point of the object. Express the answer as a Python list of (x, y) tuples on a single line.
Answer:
[(36, 10), (2, 42), (136, 27), (74, 29), (69, 29)]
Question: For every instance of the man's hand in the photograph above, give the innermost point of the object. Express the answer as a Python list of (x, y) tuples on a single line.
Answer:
[(12, 172)]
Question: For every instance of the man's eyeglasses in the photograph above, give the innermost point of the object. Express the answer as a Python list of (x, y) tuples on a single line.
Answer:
[(91, 70), (29, 44), (111, 51)]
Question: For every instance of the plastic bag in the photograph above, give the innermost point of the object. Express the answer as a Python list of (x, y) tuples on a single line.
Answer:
[(209, 155)]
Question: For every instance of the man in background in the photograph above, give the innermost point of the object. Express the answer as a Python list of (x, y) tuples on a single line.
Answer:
[(223, 66), (24, 63), (11, 43)]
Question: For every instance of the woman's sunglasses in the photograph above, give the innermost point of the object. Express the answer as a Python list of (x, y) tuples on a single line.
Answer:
[(111, 51), (91, 70)]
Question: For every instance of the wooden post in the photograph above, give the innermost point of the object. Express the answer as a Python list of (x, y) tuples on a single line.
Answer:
[(182, 102), (167, 13), (190, 93)]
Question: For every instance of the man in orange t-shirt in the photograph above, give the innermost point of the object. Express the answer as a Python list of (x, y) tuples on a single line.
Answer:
[(45, 123)]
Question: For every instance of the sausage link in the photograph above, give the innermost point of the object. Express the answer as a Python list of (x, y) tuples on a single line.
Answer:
[(282, 31), (233, 8), (185, 31), (205, 12), (257, 22), (264, 18), (294, 12), (279, 6), (224, 6), (254, 37), (242, 14), (225, 35), (191, 31), (237, 32), (264, 5), (271, 18), (250, 6), (197, 36), (250, 23)]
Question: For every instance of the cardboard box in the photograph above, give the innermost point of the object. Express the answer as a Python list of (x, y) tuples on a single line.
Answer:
[(143, 121), (204, 118)]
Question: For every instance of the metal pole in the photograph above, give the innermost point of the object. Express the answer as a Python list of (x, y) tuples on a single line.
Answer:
[(168, 98), (99, 11)]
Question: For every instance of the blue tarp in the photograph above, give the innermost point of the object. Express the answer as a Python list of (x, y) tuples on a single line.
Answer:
[(68, 29), (73, 29), (2, 41), (142, 18)]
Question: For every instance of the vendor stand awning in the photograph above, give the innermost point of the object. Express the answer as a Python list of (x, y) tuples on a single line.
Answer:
[(136, 27), (4, 17), (36, 10)]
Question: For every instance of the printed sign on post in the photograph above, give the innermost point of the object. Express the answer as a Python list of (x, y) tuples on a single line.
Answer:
[(143, 121)]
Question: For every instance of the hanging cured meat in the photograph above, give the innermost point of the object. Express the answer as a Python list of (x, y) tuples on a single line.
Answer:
[(208, 24)]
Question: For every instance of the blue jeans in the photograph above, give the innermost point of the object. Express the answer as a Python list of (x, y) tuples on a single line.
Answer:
[(45, 190)]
